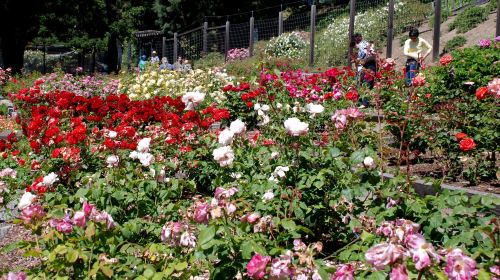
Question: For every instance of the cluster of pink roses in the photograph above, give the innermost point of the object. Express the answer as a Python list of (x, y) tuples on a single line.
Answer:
[(341, 118), (235, 54), (283, 266), (80, 219)]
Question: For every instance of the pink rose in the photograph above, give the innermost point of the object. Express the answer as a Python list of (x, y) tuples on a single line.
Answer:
[(79, 219), (384, 254), (399, 272), (420, 250), (344, 272), (256, 268), (201, 213), (281, 268), (459, 266)]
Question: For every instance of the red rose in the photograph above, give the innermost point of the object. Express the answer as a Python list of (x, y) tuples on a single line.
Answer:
[(352, 95), (467, 144), (481, 93), (446, 59), (460, 136), (249, 104)]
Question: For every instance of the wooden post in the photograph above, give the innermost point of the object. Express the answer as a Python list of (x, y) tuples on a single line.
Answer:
[(163, 47), (311, 36), (352, 17), (226, 40), (390, 29), (498, 19), (280, 23), (175, 47), (437, 29), (129, 57), (205, 37), (44, 58), (250, 43)]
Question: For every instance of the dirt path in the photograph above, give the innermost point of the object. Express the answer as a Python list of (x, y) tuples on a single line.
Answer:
[(482, 31)]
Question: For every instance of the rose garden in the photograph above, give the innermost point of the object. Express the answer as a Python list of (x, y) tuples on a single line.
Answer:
[(276, 174)]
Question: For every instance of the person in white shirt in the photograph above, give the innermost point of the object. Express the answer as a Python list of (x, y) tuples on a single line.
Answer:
[(416, 50)]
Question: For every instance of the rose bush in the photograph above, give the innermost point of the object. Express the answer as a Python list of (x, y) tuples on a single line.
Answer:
[(286, 187)]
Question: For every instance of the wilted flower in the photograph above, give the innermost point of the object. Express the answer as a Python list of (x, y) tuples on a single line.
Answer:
[(223, 193), (344, 272), (459, 266), (201, 212), (281, 267), (384, 254), (399, 272), (64, 225), (256, 267), (32, 212), (223, 155), (295, 127), (420, 250), (188, 239)]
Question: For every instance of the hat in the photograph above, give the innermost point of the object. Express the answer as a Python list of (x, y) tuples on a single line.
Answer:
[(154, 52)]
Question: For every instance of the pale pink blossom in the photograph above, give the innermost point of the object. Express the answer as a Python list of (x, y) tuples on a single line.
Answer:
[(201, 213), (399, 272), (79, 219), (295, 127), (494, 87), (384, 254), (31, 213), (281, 268), (344, 272), (421, 251), (459, 266), (223, 155), (226, 137)]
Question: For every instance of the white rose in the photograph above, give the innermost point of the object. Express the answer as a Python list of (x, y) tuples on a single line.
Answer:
[(279, 105), (192, 99), (315, 108), (224, 155), (26, 200), (369, 162), (269, 195), (226, 137), (265, 108), (238, 127), (143, 145), (112, 134), (50, 179), (112, 160), (280, 171), (295, 127), (145, 158), (134, 155)]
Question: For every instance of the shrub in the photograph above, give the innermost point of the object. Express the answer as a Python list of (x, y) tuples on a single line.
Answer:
[(4, 110), (469, 19), (456, 42), (210, 60), (288, 45)]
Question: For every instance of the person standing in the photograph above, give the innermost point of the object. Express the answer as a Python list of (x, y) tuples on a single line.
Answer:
[(142, 63), (416, 49), (154, 58)]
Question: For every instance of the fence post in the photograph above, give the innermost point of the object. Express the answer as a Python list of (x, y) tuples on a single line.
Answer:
[(250, 44), (205, 37), (390, 29), (437, 29), (175, 47), (352, 17), (163, 47), (226, 41), (312, 33), (498, 19), (280, 23)]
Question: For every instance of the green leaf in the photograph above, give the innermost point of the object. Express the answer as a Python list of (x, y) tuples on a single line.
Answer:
[(288, 224), (206, 235), (181, 266), (72, 255), (90, 230), (107, 271), (249, 247), (483, 275), (357, 157)]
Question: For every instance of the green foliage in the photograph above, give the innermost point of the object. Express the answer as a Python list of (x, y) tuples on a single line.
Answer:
[(4, 110), (210, 60), (469, 19), (455, 43)]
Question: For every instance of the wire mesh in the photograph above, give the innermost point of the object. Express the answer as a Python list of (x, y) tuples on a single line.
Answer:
[(239, 35), (191, 44)]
